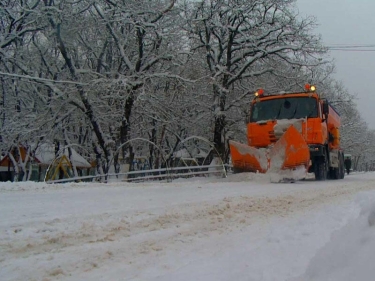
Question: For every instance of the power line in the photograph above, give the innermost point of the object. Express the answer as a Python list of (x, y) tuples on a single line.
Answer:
[(352, 47), (351, 50)]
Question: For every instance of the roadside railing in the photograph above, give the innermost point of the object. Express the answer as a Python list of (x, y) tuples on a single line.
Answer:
[(167, 174)]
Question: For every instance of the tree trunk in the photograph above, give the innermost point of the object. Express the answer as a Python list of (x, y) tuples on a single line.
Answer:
[(152, 137), (125, 130), (84, 97), (219, 137)]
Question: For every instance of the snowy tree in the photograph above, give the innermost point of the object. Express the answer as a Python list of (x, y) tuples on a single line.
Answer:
[(89, 58), (241, 39), (92, 74)]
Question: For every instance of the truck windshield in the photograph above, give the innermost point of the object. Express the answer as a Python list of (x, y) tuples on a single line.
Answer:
[(284, 108)]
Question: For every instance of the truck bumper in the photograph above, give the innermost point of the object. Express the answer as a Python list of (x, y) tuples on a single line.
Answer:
[(316, 150)]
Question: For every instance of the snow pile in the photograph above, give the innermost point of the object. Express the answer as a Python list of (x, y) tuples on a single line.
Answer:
[(247, 177), (350, 254), (282, 125), (26, 186), (277, 155), (289, 174), (217, 168)]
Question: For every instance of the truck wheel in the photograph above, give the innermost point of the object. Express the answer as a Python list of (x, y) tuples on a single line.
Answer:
[(320, 169), (335, 173)]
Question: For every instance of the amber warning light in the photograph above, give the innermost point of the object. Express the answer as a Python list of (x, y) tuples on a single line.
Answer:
[(310, 88)]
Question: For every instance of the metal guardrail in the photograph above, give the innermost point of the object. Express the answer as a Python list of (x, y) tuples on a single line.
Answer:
[(163, 173)]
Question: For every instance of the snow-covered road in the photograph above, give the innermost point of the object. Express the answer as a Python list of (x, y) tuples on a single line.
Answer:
[(239, 228)]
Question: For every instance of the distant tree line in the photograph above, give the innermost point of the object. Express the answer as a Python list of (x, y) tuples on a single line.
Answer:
[(98, 73)]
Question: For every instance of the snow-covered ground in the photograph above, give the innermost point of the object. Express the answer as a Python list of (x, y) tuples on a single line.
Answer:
[(239, 228)]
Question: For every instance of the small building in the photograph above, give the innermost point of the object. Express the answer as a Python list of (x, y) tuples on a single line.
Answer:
[(44, 162)]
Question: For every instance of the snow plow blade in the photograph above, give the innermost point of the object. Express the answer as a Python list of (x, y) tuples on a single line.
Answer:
[(288, 153), (247, 159)]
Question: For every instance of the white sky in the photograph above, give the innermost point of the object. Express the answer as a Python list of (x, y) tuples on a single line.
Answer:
[(349, 22), (238, 228)]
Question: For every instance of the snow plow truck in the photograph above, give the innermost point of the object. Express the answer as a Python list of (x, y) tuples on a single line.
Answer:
[(289, 131)]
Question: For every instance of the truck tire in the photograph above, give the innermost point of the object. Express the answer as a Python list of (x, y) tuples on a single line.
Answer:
[(320, 168), (335, 173)]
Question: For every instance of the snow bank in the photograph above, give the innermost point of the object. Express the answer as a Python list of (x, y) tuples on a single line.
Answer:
[(349, 255)]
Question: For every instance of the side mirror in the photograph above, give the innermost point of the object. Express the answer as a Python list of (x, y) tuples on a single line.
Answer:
[(325, 108)]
